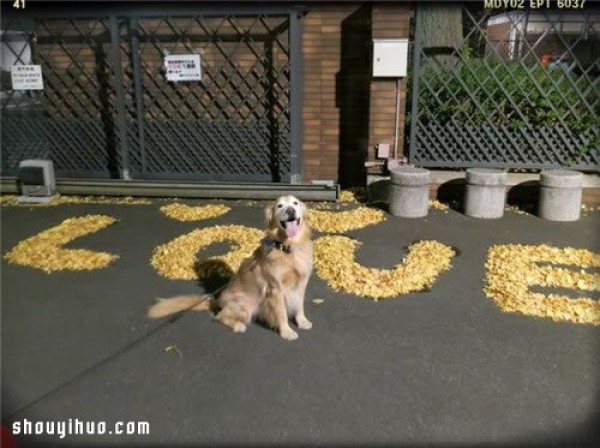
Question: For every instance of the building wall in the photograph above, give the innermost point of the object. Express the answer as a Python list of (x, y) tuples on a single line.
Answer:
[(345, 111), (388, 96), (321, 46), (499, 37)]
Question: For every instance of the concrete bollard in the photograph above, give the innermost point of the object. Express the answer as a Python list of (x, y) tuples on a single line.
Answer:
[(560, 195), (409, 192), (485, 193)]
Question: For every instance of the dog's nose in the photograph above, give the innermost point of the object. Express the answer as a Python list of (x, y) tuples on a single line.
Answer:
[(290, 211)]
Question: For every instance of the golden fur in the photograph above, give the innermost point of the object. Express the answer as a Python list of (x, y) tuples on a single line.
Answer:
[(270, 285)]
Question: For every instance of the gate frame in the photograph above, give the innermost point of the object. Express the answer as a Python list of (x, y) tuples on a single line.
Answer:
[(138, 11)]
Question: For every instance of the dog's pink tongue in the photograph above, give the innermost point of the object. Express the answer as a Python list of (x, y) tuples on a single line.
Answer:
[(292, 228)]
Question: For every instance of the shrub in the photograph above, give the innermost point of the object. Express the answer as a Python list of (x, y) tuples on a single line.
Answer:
[(509, 93)]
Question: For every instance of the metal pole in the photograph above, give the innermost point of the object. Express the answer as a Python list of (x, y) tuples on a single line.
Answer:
[(295, 43), (120, 120), (138, 81), (414, 118)]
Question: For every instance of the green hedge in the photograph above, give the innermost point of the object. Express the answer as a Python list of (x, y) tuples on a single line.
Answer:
[(475, 94)]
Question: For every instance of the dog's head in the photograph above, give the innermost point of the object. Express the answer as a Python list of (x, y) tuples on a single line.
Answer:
[(287, 217)]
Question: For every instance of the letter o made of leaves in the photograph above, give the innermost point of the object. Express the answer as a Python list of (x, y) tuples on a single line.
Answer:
[(183, 212), (344, 221), (335, 262), (177, 259)]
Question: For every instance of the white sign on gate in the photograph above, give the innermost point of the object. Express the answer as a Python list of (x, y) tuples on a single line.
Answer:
[(27, 77), (183, 67)]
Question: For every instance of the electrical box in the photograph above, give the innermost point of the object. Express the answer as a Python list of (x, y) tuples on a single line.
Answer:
[(37, 182), (383, 150), (390, 57)]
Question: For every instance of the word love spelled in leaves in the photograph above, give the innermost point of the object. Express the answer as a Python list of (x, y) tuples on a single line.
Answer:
[(513, 271)]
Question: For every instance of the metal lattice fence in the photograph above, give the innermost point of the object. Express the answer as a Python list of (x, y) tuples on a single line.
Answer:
[(107, 110), (521, 89)]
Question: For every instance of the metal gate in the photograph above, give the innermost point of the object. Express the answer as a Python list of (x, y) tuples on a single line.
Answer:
[(520, 89), (108, 111)]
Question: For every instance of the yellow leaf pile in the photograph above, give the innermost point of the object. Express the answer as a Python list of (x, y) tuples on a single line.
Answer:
[(335, 263), (126, 200), (515, 209), (513, 268), (338, 222), (182, 212), (44, 251), (589, 208), (8, 200), (247, 202), (435, 204), (353, 194), (330, 205), (177, 259)]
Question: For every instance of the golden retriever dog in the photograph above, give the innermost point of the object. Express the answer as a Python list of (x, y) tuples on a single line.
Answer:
[(270, 284)]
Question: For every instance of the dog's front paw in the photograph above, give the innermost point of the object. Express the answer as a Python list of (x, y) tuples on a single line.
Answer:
[(303, 323), (239, 327), (288, 333)]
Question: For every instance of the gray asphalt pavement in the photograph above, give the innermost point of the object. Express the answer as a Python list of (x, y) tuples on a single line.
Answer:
[(444, 367)]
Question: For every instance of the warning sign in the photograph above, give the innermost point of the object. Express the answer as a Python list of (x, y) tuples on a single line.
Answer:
[(183, 67), (27, 77)]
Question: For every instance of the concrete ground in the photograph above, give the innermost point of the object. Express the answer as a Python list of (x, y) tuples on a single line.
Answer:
[(444, 367)]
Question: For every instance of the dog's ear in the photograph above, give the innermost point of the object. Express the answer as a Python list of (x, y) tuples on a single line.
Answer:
[(269, 215), (305, 213)]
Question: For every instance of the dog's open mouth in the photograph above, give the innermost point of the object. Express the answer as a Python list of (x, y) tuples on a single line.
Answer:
[(291, 226)]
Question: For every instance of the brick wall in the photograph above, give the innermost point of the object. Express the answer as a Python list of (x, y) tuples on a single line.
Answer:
[(591, 196), (387, 95), (345, 111), (322, 49)]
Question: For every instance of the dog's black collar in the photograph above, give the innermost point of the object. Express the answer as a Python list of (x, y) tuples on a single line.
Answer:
[(274, 244)]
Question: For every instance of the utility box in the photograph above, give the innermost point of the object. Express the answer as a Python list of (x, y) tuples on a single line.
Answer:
[(37, 182), (390, 58)]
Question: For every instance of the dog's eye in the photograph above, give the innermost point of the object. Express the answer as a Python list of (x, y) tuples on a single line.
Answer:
[(279, 205), (295, 202)]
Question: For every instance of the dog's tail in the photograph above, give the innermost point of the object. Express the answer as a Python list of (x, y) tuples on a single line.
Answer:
[(165, 307)]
